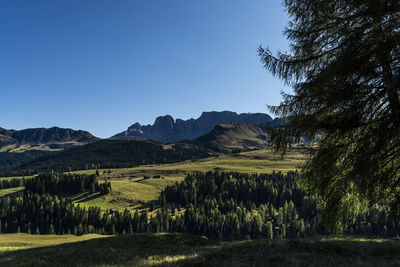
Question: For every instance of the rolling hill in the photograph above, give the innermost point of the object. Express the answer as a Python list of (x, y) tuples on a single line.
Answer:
[(45, 139), (111, 153), (234, 137), (19, 147)]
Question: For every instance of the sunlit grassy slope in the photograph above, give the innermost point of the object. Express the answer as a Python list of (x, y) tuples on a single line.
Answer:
[(20, 148), (15, 177), (259, 161), (10, 242), (8, 191), (187, 250), (131, 190)]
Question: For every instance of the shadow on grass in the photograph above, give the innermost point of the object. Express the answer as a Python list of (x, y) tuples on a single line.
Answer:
[(174, 249), (86, 197), (132, 250), (306, 252)]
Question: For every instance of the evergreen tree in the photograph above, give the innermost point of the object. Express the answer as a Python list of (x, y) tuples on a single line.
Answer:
[(80, 230), (344, 69), (270, 231), (113, 232), (92, 188), (51, 231)]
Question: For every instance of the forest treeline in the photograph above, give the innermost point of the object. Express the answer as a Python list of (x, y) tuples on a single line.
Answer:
[(222, 206), (10, 183), (11, 160), (66, 184), (237, 206), (111, 153)]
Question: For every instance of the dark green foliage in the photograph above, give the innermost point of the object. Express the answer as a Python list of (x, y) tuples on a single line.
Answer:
[(16, 182), (10, 160), (112, 154), (37, 213), (344, 67), (221, 206), (236, 206), (66, 184)]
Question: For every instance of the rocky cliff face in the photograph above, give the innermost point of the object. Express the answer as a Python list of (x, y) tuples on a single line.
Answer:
[(166, 129)]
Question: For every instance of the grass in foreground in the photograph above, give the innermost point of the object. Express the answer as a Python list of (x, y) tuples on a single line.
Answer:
[(164, 249), (11, 242), (125, 250)]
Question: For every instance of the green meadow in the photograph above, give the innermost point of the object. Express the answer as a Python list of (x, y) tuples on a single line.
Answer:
[(130, 189), (173, 249), (7, 191), (138, 187), (259, 161)]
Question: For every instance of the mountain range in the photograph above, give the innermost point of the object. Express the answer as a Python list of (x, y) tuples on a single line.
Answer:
[(46, 139), (166, 129), (213, 132), (124, 153)]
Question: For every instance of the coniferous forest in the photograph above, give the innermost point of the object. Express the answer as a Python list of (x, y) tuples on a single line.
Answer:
[(111, 153), (221, 206)]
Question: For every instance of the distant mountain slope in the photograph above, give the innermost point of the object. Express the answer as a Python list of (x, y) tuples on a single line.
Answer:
[(234, 137), (112, 153), (19, 147), (120, 153), (166, 129), (43, 139)]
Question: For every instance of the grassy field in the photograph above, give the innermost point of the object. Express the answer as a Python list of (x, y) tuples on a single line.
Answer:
[(131, 190), (20, 148), (8, 191), (11, 242), (164, 249), (15, 177), (259, 161)]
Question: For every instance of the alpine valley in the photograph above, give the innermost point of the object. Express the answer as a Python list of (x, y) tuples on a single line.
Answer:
[(166, 141)]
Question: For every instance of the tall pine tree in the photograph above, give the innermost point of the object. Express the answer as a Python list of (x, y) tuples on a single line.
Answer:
[(344, 68)]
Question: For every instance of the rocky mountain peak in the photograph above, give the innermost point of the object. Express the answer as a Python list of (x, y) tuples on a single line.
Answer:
[(166, 129), (164, 122)]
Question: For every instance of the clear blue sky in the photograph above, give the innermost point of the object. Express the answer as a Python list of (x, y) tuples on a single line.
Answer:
[(103, 65)]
